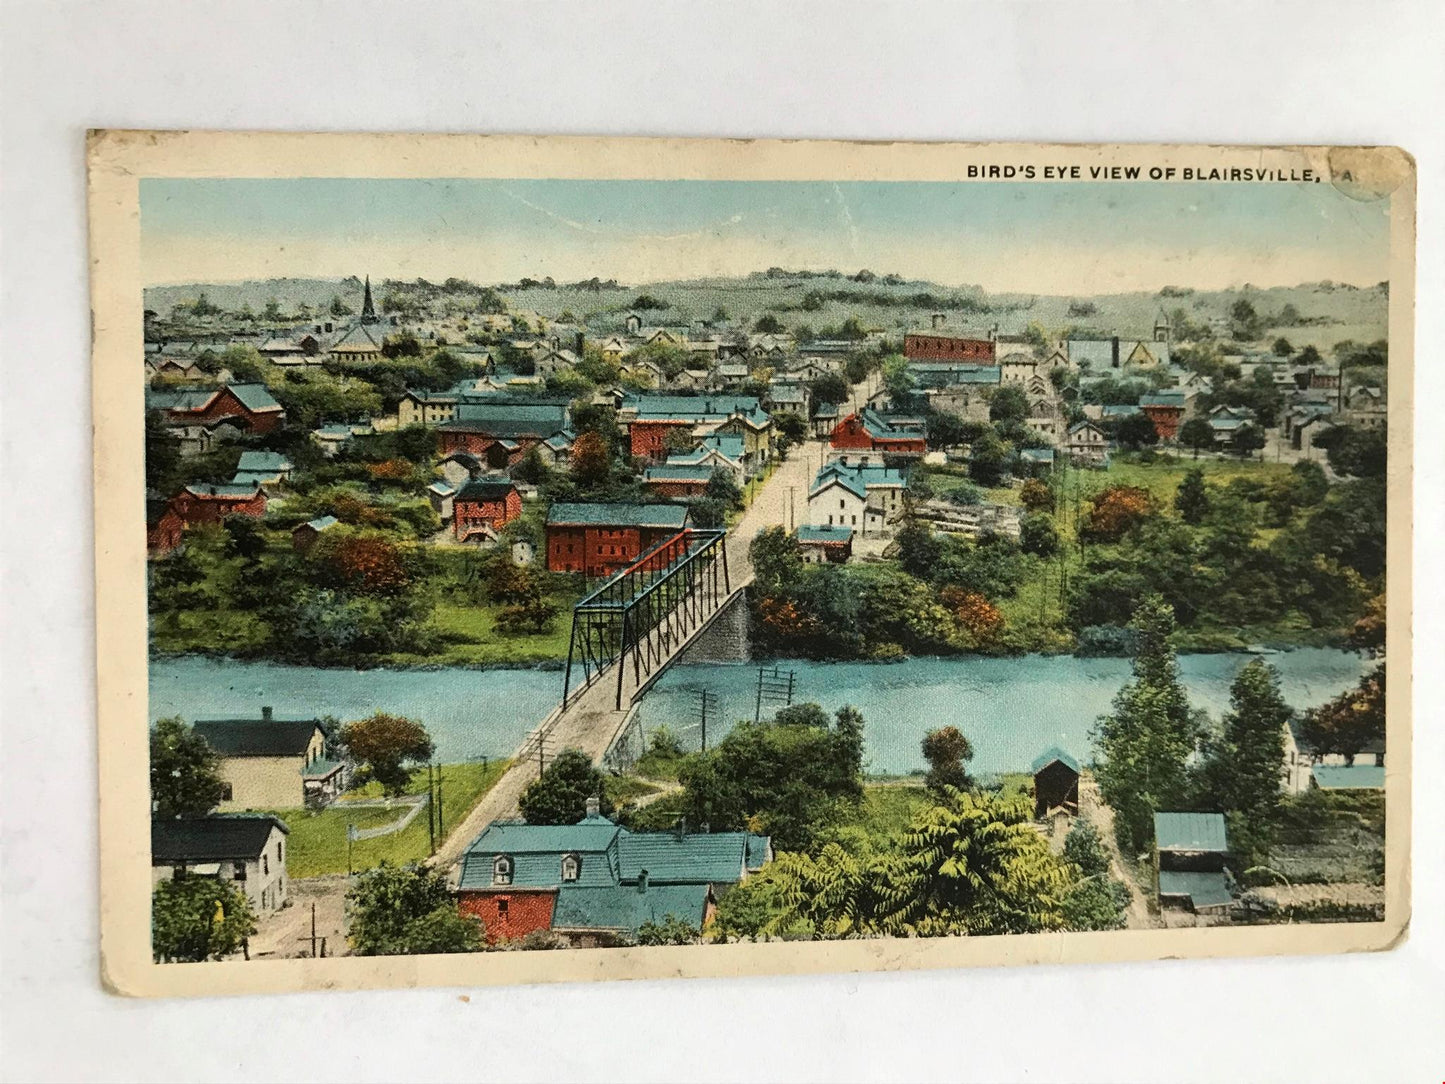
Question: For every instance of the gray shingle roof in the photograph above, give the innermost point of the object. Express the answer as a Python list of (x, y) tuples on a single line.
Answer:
[(257, 737), (211, 839)]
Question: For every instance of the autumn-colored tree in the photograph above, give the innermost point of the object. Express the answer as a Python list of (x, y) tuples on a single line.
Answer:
[(369, 564), (509, 583), (386, 746), (1369, 632), (591, 460), (1115, 511), (391, 469), (353, 510), (784, 619), (946, 749), (1036, 496), (977, 617)]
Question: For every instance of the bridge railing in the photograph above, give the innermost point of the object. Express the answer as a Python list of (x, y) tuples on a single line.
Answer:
[(642, 610)]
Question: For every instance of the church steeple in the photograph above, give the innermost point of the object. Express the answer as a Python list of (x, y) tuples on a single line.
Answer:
[(368, 310)]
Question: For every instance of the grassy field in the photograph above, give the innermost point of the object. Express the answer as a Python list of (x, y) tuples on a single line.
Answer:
[(317, 844), (470, 637)]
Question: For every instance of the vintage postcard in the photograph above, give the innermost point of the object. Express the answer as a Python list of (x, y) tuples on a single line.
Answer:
[(719, 557)]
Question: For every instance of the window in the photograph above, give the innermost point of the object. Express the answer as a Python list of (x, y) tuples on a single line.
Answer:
[(178, 872), (280, 854), (265, 865), (238, 870), (571, 867), (502, 906), (501, 870)]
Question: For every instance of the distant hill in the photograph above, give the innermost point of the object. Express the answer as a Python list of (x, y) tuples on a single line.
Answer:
[(1327, 312), (288, 292)]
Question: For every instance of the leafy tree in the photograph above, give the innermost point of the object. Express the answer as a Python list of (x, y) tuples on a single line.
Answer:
[(387, 746), (946, 749), (1282, 347), (1084, 847), (670, 931), (1115, 511), (198, 918), (1009, 403), (1310, 355), (644, 302), (185, 772), (1350, 721), (1038, 536), (829, 388), (1248, 439), (1191, 500), (979, 620), (591, 461), (559, 795), (1136, 431), (1241, 774), (768, 324), (1036, 496), (898, 378), (723, 488), (988, 459), (408, 910), (946, 430), (792, 429), (340, 308), (783, 777), (972, 865), (777, 562), (1358, 452), (1245, 321), (1149, 735), (1196, 433)]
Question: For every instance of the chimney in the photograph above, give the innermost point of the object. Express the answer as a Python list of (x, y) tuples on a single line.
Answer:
[(679, 829), (594, 807), (642, 881), (266, 713), (938, 319), (329, 326), (993, 334)]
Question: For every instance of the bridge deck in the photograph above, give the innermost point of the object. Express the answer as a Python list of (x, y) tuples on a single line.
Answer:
[(590, 719)]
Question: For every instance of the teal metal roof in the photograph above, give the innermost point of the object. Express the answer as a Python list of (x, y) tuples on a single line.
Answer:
[(624, 908), (1190, 832), (759, 851), (689, 859), (270, 462), (536, 852), (1354, 777), (240, 489), (690, 407), (320, 523), (677, 472), (250, 479), (1201, 889), (254, 397), (321, 769), (1163, 398), (617, 515), (1037, 455), (1055, 753), (825, 534)]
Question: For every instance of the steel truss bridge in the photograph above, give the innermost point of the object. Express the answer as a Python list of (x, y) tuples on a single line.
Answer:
[(643, 615)]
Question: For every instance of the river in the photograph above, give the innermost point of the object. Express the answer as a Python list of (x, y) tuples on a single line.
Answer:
[(1012, 709)]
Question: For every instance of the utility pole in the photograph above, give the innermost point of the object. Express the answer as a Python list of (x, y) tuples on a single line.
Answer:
[(706, 702), (431, 823), (792, 523), (441, 825)]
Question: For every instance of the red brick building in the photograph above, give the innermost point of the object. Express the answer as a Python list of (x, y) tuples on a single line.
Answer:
[(489, 503), (600, 539), (164, 527), (251, 403), (205, 503), (509, 915), (1166, 410), (934, 346), (501, 430), (869, 431), (647, 437)]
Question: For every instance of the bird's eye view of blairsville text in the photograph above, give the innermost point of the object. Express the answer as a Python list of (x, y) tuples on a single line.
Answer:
[(571, 564)]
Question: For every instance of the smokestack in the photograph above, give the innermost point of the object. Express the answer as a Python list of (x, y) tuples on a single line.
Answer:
[(1115, 342), (938, 319), (594, 807), (642, 881), (266, 713)]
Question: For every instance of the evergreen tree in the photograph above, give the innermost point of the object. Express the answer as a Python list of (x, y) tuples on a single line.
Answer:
[(1242, 774), (1148, 737), (1192, 499)]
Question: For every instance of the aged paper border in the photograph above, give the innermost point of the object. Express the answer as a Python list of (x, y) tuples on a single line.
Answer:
[(117, 161)]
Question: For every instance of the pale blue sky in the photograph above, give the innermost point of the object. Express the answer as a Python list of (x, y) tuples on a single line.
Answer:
[(1060, 237)]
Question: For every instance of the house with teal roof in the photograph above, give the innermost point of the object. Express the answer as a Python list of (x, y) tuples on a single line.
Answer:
[(1189, 854), (595, 882)]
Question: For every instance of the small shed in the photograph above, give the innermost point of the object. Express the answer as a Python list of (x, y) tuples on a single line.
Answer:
[(1189, 853), (1056, 783), (305, 535)]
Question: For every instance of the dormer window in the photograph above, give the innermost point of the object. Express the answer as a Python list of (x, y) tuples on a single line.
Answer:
[(571, 867), (501, 870)]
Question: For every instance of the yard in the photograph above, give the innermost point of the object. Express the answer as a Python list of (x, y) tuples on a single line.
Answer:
[(317, 843), (470, 637)]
